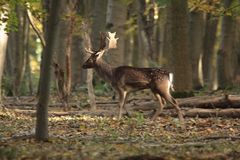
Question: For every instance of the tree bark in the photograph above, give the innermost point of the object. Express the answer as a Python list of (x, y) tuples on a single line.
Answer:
[(142, 38), (91, 95), (237, 55), (45, 80), (177, 44), (20, 60), (116, 19), (209, 55), (225, 52), (78, 74), (146, 26), (136, 52), (196, 47), (98, 21)]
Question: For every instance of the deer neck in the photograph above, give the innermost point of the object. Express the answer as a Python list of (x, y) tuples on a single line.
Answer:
[(104, 70)]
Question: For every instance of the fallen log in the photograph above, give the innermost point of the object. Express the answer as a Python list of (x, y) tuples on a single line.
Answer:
[(196, 112), (205, 113), (226, 101), (211, 102), (207, 102)]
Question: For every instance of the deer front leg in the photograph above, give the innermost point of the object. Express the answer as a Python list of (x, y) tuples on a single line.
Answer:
[(122, 100), (160, 108)]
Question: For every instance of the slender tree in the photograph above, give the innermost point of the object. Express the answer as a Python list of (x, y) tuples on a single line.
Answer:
[(146, 25), (45, 76), (98, 21), (3, 47), (20, 54)]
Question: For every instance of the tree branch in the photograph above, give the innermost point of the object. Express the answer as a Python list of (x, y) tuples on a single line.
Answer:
[(37, 31)]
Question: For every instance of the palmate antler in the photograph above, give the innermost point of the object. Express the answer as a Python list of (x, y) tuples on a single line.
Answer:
[(104, 46), (112, 40)]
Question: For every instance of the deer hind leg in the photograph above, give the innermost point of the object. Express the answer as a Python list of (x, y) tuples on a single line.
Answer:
[(160, 108), (171, 100), (122, 101)]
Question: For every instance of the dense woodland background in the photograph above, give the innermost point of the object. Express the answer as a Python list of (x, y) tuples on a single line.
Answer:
[(197, 40)]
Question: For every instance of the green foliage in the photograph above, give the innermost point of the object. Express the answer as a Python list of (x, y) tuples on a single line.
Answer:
[(102, 88), (8, 153), (7, 86), (183, 94), (8, 11), (138, 118), (8, 14), (162, 2), (132, 24), (215, 7), (127, 2)]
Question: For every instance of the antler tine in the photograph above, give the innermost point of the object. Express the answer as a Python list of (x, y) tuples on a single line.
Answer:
[(88, 50)]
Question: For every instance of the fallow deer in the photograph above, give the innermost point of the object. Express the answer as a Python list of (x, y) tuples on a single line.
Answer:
[(125, 79)]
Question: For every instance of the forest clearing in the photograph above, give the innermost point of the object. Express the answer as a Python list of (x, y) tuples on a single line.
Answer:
[(120, 79), (84, 134)]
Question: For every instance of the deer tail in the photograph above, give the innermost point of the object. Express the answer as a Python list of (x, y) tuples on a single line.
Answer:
[(171, 81)]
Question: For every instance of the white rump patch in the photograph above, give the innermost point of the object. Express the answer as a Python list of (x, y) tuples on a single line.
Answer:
[(171, 81)]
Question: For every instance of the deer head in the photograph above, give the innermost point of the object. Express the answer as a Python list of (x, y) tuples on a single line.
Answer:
[(96, 55)]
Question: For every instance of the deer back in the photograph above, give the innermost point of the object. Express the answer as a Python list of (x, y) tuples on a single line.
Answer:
[(138, 78)]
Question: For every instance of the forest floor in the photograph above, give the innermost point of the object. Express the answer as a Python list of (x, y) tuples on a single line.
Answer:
[(94, 135)]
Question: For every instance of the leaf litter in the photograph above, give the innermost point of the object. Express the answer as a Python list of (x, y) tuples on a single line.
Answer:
[(104, 137)]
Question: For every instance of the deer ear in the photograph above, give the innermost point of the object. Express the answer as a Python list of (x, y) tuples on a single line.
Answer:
[(99, 54)]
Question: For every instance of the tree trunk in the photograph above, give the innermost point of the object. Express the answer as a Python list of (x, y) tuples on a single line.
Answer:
[(20, 59), (136, 51), (91, 95), (209, 55), (225, 52), (196, 47), (45, 80), (64, 50), (116, 19), (62, 33), (237, 55), (146, 28), (29, 73), (10, 63), (142, 37), (78, 74), (177, 41), (3, 47), (98, 21)]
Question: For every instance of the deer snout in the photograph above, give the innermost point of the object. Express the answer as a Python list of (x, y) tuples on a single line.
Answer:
[(87, 65), (84, 66)]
